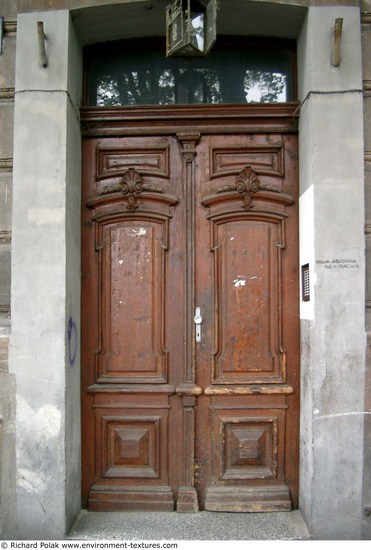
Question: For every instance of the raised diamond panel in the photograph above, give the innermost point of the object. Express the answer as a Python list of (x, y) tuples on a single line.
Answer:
[(131, 447), (247, 447)]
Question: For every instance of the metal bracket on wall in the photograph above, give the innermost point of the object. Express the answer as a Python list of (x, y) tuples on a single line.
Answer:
[(337, 39), (42, 38), (1, 34)]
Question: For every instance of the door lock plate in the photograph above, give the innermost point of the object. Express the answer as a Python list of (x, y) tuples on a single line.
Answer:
[(198, 320)]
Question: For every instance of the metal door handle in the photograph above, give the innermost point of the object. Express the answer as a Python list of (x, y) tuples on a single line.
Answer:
[(198, 320)]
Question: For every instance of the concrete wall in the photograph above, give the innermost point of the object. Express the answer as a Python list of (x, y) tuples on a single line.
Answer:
[(39, 5), (366, 48), (7, 381), (332, 242), (44, 352), (7, 60)]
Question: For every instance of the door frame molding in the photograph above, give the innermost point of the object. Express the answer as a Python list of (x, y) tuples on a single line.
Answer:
[(207, 119)]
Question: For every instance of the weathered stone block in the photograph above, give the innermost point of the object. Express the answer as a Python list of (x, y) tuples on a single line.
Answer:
[(4, 344), (366, 47), (8, 518), (366, 527), (6, 125), (367, 117), (5, 202), (8, 8), (7, 64), (368, 271), (4, 274), (365, 6)]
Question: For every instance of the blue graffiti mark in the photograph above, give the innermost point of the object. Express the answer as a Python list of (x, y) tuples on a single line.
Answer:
[(72, 341)]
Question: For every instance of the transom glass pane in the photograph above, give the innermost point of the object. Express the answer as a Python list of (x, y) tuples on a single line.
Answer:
[(124, 73)]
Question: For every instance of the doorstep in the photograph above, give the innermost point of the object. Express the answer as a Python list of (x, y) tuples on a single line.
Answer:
[(200, 526)]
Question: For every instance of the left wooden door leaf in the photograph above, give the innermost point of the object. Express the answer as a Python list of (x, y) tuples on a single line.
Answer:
[(132, 311)]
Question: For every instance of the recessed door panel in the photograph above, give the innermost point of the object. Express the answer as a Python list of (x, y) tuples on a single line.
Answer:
[(132, 301), (246, 255)]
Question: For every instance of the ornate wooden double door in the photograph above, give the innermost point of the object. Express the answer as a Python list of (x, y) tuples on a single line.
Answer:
[(190, 311)]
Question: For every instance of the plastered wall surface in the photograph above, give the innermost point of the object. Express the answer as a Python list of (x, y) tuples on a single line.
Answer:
[(7, 381), (7, 62), (40, 5), (45, 241), (366, 65), (333, 333)]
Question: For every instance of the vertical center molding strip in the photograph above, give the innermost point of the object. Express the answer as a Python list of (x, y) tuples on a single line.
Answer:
[(187, 494)]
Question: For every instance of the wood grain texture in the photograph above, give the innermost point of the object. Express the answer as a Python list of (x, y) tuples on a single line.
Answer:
[(182, 208)]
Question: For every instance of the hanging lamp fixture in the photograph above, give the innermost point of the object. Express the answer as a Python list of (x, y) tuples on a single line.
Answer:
[(190, 27)]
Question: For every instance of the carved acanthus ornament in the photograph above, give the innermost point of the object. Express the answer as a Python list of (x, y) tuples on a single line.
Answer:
[(131, 185), (247, 182)]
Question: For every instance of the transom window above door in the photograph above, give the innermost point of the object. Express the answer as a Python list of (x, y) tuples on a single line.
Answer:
[(237, 71)]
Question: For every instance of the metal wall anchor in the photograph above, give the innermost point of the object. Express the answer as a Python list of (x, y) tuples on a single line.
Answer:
[(42, 38)]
